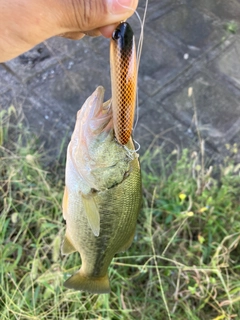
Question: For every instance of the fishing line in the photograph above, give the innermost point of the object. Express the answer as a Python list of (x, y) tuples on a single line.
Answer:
[(139, 52), (138, 145), (132, 154), (142, 23)]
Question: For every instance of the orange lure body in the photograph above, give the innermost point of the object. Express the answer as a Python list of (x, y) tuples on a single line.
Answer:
[(123, 64)]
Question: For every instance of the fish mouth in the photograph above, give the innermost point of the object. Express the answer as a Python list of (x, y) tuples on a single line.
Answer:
[(98, 114)]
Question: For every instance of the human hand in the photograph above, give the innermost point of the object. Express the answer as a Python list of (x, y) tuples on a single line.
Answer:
[(25, 23)]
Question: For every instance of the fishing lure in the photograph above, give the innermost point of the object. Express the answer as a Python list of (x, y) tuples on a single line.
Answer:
[(123, 63)]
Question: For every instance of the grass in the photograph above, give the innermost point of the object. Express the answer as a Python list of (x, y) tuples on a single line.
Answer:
[(185, 259), (232, 27)]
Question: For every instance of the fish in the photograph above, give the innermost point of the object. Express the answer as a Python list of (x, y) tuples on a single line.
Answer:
[(102, 196), (123, 66)]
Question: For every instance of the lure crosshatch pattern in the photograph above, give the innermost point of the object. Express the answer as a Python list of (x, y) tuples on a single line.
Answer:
[(123, 64)]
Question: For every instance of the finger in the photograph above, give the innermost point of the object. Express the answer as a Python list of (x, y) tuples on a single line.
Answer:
[(86, 15), (107, 31), (72, 35), (93, 33)]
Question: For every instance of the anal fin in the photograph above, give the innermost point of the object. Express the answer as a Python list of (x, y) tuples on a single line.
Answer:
[(67, 246), (127, 244)]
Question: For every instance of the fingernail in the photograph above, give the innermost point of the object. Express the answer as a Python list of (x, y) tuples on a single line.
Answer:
[(121, 6)]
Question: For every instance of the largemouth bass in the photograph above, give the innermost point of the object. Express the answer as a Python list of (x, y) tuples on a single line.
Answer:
[(102, 196)]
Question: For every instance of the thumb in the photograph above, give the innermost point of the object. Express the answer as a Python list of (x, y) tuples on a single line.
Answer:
[(93, 17)]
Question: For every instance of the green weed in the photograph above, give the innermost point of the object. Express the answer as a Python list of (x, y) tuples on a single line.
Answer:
[(232, 27), (184, 262)]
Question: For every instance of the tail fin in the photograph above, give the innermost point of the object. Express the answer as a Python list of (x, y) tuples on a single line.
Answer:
[(93, 285)]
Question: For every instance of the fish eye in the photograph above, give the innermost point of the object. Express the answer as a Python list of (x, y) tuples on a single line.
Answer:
[(116, 34)]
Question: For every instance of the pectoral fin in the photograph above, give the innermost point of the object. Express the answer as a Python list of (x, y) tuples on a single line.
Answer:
[(92, 213), (67, 246)]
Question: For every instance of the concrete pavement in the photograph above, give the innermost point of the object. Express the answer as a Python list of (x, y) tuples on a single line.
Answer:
[(187, 44)]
